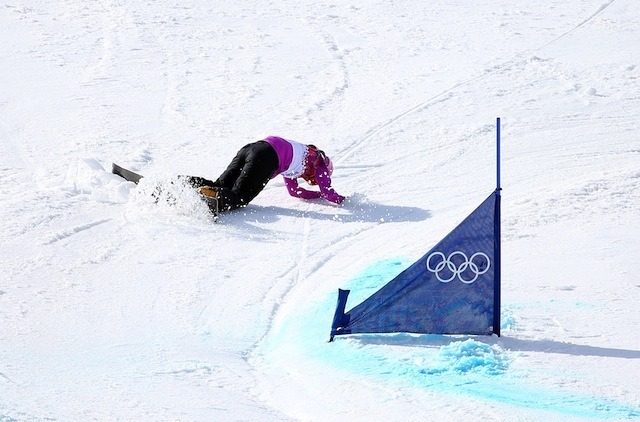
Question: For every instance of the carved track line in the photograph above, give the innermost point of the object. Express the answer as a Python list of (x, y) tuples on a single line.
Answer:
[(74, 230)]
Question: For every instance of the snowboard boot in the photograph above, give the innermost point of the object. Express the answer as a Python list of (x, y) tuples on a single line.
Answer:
[(210, 196), (208, 191)]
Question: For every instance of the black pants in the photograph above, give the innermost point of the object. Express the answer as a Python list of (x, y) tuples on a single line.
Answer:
[(245, 177)]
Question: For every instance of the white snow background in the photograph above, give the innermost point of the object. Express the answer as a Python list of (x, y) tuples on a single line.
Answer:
[(114, 308)]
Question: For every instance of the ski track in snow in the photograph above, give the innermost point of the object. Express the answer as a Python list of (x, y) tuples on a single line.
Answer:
[(74, 230), (127, 309)]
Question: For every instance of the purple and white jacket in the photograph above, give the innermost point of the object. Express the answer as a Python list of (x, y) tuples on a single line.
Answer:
[(292, 160)]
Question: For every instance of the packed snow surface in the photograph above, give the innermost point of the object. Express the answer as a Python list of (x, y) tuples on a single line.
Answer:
[(113, 307)]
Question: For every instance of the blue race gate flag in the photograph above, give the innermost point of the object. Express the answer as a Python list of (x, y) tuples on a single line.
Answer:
[(453, 289)]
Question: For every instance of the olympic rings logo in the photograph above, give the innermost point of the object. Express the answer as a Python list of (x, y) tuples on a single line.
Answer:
[(446, 268)]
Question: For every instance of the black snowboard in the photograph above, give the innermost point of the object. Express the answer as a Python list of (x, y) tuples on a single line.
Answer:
[(127, 175)]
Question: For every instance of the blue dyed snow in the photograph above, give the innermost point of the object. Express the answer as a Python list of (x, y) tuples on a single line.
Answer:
[(461, 365), (470, 355)]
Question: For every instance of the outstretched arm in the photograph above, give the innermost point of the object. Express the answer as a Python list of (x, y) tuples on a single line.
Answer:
[(324, 183), (298, 192)]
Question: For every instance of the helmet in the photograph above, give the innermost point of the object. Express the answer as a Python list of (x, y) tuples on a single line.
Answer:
[(329, 165), (315, 159)]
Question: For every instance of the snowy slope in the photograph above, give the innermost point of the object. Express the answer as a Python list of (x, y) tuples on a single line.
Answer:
[(114, 308)]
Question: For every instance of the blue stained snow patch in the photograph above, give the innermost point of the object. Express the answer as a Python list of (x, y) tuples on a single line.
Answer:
[(462, 365), (468, 356)]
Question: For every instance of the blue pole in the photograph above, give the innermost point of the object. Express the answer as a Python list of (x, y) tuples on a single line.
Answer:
[(497, 247), (498, 155), (339, 318)]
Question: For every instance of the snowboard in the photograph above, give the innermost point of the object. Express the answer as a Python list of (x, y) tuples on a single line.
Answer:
[(127, 175), (130, 176)]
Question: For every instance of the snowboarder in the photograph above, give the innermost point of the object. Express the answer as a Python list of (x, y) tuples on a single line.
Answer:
[(258, 162)]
